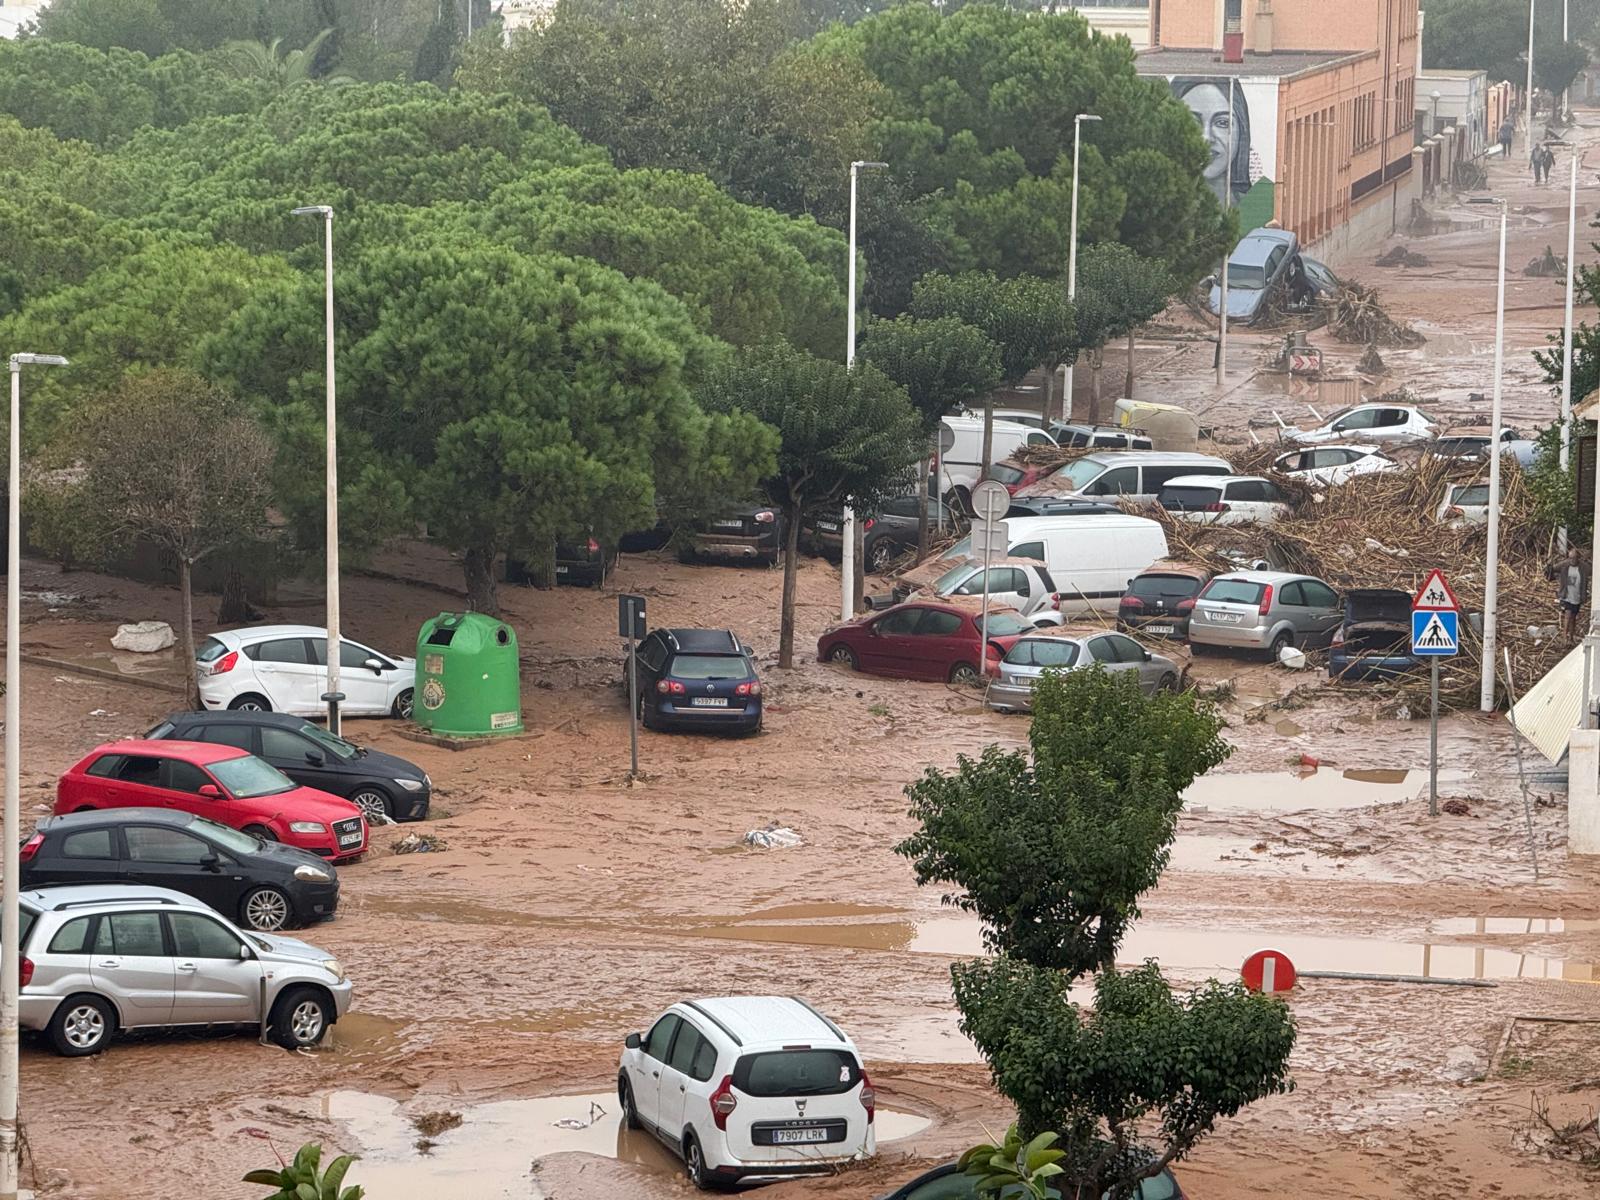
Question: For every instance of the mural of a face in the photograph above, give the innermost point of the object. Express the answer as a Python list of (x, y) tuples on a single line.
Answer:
[(1209, 104), (1219, 113)]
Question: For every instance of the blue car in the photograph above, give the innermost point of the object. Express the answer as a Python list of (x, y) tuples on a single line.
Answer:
[(1374, 640), (697, 679), (1267, 263)]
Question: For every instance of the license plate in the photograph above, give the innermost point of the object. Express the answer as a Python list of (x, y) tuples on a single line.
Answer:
[(1226, 618), (790, 1137), (828, 526), (709, 702), (1161, 629), (727, 524), (562, 570), (350, 839)]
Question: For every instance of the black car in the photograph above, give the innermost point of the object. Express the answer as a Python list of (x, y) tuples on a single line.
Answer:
[(697, 679), (1049, 506), (1076, 435), (383, 787), (262, 885), (585, 563), (947, 1182), (886, 535), (744, 531)]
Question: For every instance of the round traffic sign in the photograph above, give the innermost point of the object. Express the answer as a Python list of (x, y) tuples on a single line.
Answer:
[(1268, 971), (990, 500)]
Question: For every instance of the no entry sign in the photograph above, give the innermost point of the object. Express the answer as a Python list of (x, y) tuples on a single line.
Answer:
[(1268, 971)]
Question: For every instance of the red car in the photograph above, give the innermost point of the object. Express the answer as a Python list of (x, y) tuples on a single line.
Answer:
[(1017, 478), (222, 783), (924, 639)]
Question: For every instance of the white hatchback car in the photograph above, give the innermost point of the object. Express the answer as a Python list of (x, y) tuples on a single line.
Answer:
[(1463, 504), (748, 1087), (1330, 465), (1387, 424), (283, 668), (1223, 499)]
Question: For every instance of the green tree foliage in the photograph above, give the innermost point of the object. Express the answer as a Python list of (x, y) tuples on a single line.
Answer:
[(1554, 488), (940, 361), (46, 243), (1015, 1168), (304, 1179), (276, 65), (502, 399), (844, 433), (1118, 290), (1491, 36)]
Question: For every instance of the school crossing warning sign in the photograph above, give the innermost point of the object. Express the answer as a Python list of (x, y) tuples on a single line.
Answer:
[(1435, 623), (1435, 595)]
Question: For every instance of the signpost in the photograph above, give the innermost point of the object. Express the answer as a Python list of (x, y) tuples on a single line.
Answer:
[(1268, 971), (1435, 634), (631, 625), (990, 501)]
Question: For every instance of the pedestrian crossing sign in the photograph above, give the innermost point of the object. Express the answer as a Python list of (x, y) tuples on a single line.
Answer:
[(1435, 632)]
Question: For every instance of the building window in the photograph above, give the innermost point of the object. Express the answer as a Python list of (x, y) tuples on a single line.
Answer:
[(1232, 16), (1363, 124)]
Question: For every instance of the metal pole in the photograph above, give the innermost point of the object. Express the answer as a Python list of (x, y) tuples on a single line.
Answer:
[(334, 644), (1492, 566), (1222, 309), (633, 706), (1531, 4), (1566, 330), (12, 833), (847, 559), (983, 642), (1072, 266), (1566, 36), (1522, 775), (1433, 742)]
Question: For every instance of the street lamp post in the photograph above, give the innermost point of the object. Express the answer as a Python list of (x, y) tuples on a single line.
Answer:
[(1491, 587), (1072, 258), (1531, 4), (847, 563), (1433, 121), (10, 862), (332, 643), (1227, 253), (1566, 329)]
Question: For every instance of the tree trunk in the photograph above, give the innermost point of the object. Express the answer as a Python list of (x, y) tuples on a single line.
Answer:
[(988, 436), (859, 587), (478, 566), (1097, 360), (1127, 380), (235, 606), (791, 563), (191, 679)]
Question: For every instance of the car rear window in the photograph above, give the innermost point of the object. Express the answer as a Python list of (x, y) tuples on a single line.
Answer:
[(1005, 624), (1477, 493), (25, 919), (797, 1073), (210, 650), (1234, 591), (157, 732), (1002, 473), (710, 666), (1164, 587), (1189, 499), (1043, 652)]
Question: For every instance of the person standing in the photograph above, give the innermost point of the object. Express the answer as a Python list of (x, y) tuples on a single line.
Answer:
[(1571, 578), (1549, 162), (1507, 132), (1536, 160)]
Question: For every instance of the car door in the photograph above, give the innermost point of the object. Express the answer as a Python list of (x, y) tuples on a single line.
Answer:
[(136, 782), (87, 856), (366, 689), (1243, 501), (944, 639), (1115, 482), (1324, 610), (1141, 664), (677, 1079), (132, 961), (180, 785), (1357, 419), (891, 647), (162, 856), (211, 983), (283, 667), (1103, 650), (1391, 424), (301, 759), (644, 1073)]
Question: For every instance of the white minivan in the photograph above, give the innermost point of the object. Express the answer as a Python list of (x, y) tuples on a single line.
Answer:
[(1137, 475), (961, 454)]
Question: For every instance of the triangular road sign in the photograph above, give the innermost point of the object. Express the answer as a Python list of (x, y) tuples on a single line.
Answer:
[(1435, 595)]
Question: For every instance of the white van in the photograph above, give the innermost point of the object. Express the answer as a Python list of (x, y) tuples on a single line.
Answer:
[(1090, 558), (1137, 475), (962, 453)]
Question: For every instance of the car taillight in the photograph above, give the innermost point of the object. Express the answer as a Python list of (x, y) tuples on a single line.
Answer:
[(1055, 601), (593, 545), (224, 664), (869, 523), (30, 848), (1186, 606), (25, 972), (1132, 602), (869, 1097), (723, 1102), (670, 687), (748, 689), (1266, 598), (765, 517), (1217, 507)]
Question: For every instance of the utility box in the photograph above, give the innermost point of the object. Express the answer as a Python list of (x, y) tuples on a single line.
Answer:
[(468, 677)]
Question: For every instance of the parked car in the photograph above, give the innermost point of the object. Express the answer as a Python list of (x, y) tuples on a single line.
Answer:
[(1060, 506), (1374, 639), (261, 885), (1069, 649), (924, 639), (1223, 499), (1265, 610), (1266, 269), (961, 453), (948, 1182), (1159, 600), (283, 668), (744, 1087), (584, 564), (1330, 465), (1136, 475), (100, 959), (744, 531), (221, 783), (382, 786), (1470, 443), (1463, 504), (696, 679), (1388, 424), (1017, 416), (1020, 583), (1110, 437), (1015, 477), (887, 535)]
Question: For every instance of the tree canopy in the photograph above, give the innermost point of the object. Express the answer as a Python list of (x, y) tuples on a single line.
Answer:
[(1493, 36)]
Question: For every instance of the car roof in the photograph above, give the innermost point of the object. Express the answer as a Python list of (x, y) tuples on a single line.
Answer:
[(1112, 457), (977, 422), (1175, 567), (759, 1022), (229, 717), (963, 604), (95, 817), (1212, 480), (88, 895), (1273, 577), (200, 753), (704, 641), (1008, 561), (1071, 633), (1260, 242), (1472, 431), (1363, 447), (261, 633)]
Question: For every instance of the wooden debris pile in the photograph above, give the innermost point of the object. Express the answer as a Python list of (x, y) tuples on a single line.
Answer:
[(1355, 317), (1399, 256)]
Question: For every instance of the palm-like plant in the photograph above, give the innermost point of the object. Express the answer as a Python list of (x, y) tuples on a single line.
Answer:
[(302, 1180), (281, 68), (1015, 1167)]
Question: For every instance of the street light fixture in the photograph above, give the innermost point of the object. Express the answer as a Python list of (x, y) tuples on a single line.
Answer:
[(332, 643), (1433, 121), (1491, 589), (847, 561), (11, 833), (1072, 257)]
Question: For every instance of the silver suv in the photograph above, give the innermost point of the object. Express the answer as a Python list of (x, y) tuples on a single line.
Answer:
[(98, 958)]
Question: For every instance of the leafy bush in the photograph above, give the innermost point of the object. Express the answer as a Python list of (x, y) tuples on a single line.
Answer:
[(304, 1180)]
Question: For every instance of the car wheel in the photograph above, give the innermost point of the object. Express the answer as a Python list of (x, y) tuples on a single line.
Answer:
[(249, 702), (266, 910), (963, 674), (845, 655), (630, 1114), (82, 1025), (402, 704), (262, 832), (1279, 644), (374, 806), (1167, 683), (880, 556), (300, 1018), (694, 1164)]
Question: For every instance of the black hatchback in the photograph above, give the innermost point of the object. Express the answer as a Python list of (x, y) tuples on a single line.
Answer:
[(262, 885), (382, 786), (697, 679)]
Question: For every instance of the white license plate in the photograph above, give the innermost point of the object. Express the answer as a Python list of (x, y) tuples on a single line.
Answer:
[(790, 1137), (1227, 618), (562, 570), (727, 524), (828, 526), (709, 702), (1161, 629), (350, 839)]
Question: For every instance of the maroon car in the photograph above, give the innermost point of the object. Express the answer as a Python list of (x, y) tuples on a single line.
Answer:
[(924, 639)]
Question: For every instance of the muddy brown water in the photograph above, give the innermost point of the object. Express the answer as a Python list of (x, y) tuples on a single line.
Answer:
[(1288, 791)]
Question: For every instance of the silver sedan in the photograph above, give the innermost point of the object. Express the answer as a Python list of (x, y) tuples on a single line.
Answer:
[(1069, 649)]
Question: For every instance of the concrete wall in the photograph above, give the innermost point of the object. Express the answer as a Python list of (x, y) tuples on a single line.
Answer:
[(1463, 103), (1129, 22)]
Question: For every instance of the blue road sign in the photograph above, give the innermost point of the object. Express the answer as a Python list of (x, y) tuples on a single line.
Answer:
[(1435, 632)]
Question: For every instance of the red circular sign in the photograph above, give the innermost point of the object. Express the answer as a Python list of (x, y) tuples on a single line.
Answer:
[(1268, 971)]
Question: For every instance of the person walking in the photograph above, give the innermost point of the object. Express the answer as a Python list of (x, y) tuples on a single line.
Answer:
[(1536, 160), (1507, 132), (1571, 578), (1549, 162)]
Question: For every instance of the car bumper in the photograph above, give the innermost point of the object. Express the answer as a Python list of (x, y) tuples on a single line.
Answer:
[(731, 545), (34, 1012), (587, 573), (1357, 668), (838, 1154), (824, 543), (1010, 697), (1250, 637), (342, 993), (682, 717), (315, 901), (326, 847), (1174, 627), (213, 699)]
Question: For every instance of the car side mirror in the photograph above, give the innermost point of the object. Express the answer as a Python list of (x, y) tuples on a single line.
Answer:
[(245, 953), (872, 631), (1148, 656), (210, 791), (210, 862), (316, 757), (747, 651), (632, 1042), (374, 666)]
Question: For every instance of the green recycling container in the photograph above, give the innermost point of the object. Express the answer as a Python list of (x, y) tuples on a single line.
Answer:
[(468, 682)]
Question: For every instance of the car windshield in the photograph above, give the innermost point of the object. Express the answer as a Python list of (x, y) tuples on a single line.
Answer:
[(953, 578), (210, 650), (1165, 587), (228, 839), (331, 742), (1004, 624), (1081, 473), (960, 550), (710, 666), (1043, 652), (1005, 473), (1461, 445), (247, 777), (1234, 591), (1476, 493), (1245, 277)]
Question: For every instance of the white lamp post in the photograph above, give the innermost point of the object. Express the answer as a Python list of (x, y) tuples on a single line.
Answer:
[(1566, 328), (1072, 257), (1491, 589), (333, 643), (10, 862), (1227, 253), (1531, 4), (847, 562)]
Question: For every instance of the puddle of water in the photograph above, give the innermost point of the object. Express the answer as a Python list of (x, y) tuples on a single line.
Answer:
[(1284, 791), (362, 1033), (493, 1153)]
